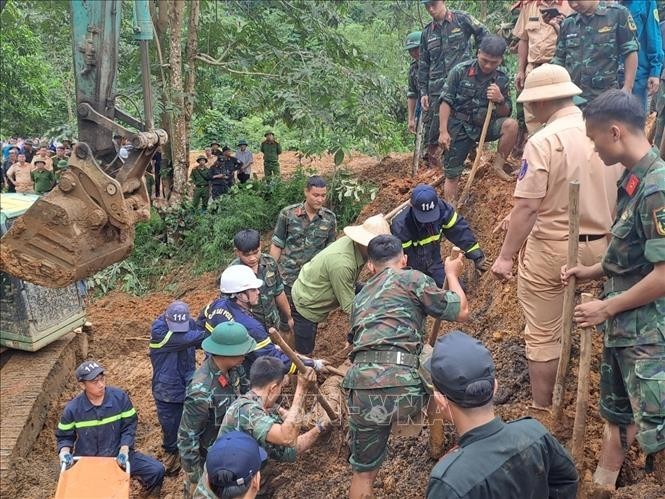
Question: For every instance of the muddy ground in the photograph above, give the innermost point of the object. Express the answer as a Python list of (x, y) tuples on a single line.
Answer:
[(121, 330)]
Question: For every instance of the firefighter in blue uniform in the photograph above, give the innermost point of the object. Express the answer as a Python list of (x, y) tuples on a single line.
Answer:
[(240, 290), (101, 421), (174, 338), (421, 228)]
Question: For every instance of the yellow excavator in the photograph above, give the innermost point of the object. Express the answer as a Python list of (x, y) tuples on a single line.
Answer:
[(86, 223)]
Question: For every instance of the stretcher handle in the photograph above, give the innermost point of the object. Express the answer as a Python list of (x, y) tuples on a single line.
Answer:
[(63, 466)]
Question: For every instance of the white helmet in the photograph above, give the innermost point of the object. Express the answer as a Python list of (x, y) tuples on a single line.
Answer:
[(238, 278)]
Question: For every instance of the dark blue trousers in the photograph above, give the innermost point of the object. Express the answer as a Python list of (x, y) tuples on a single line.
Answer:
[(169, 414), (148, 470)]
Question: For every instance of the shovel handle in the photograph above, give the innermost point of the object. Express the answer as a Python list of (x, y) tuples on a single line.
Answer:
[(454, 253)]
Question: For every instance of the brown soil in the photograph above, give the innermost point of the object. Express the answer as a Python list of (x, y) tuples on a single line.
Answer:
[(122, 323)]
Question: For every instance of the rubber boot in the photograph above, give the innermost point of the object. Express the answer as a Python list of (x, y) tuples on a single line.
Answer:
[(172, 464), (434, 158), (497, 166)]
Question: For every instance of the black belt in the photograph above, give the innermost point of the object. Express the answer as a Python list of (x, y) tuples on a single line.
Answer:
[(590, 237), (462, 116), (387, 357)]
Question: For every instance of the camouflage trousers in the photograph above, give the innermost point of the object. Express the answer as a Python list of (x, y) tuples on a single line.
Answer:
[(372, 414), (201, 195), (464, 138), (431, 122), (270, 168), (632, 389)]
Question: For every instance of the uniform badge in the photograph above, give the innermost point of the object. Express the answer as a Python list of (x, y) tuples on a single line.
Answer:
[(523, 169), (605, 29), (659, 220), (631, 24), (632, 184), (223, 382)]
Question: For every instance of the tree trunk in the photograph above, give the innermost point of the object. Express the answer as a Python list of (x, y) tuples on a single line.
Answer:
[(179, 138), (192, 46)]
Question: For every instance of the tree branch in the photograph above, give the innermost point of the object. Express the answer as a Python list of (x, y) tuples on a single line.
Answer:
[(214, 62)]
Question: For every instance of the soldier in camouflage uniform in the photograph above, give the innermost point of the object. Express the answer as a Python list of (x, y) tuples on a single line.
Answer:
[(444, 44), (200, 177), (387, 333), (214, 386), (632, 309), (258, 413), (593, 42), (412, 101), (463, 107), (247, 244)]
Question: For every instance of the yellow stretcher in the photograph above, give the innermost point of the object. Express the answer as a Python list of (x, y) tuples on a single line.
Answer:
[(93, 478)]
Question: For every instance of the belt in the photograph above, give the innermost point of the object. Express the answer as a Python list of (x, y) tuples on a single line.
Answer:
[(462, 116), (387, 357), (590, 237)]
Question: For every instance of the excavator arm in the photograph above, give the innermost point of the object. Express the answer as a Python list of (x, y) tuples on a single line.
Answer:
[(86, 223)]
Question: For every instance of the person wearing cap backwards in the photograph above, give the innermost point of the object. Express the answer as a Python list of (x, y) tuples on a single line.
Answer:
[(232, 469), (43, 180), (444, 43), (222, 174), (271, 150), (329, 280), (492, 459), (465, 98), (200, 177), (213, 388), (246, 157), (259, 414), (173, 340), (632, 308), (421, 227), (554, 156), (101, 421), (239, 288), (413, 46), (387, 332)]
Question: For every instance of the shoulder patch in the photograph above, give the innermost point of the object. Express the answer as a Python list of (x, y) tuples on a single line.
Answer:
[(523, 169), (631, 24), (655, 15), (659, 220)]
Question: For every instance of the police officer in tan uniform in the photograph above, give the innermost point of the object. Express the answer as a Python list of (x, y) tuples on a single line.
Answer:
[(538, 224)]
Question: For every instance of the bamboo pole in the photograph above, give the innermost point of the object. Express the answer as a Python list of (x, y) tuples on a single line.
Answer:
[(582, 405), (479, 153)]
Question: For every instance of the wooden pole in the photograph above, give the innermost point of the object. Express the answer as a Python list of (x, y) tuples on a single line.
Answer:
[(479, 153), (568, 299), (393, 213), (434, 333), (579, 427), (419, 143), (277, 338)]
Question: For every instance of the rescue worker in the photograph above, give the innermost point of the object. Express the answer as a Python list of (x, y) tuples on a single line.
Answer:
[(412, 101), (200, 177), (60, 167), (101, 421), (493, 459), (387, 332), (633, 302), (246, 157), (239, 288), (257, 412), (43, 180), (232, 469), (272, 299), (469, 88), (593, 42), (421, 228), (444, 44), (329, 280), (174, 338), (214, 386), (553, 157), (271, 150)]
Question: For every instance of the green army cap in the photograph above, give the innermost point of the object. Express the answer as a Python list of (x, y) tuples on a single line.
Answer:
[(62, 163), (229, 339), (412, 40), (242, 142)]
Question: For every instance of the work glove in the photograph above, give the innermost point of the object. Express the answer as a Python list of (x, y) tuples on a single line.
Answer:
[(123, 457), (318, 364), (482, 264), (66, 458)]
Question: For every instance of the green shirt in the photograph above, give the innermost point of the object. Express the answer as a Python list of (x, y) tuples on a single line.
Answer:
[(266, 311), (200, 177), (301, 238), (43, 180), (637, 244), (271, 151), (328, 281), (389, 314), (248, 415)]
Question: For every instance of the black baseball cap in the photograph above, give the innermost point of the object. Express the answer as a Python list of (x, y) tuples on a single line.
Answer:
[(238, 453), (425, 204), (462, 369), (88, 370)]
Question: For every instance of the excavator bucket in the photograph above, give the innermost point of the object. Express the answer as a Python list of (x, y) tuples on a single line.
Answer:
[(93, 478), (83, 225)]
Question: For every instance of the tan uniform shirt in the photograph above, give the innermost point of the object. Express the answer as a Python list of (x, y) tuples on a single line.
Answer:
[(540, 35), (20, 176), (556, 155)]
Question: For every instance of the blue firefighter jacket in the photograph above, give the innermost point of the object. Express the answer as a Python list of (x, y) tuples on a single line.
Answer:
[(173, 359), (650, 55), (98, 430), (225, 309)]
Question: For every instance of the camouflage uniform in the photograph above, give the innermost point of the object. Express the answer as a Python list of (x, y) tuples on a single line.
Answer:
[(383, 383), (465, 92), (442, 46), (209, 395), (592, 47), (300, 238), (248, 415), (632, 385), (203, 490), (266, 310), (200, 177)]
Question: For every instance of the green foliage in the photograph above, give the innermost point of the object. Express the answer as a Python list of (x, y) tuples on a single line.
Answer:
[(348, 196)]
